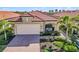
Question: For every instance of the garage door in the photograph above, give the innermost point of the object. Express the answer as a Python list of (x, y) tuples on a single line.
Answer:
[(27, 29)]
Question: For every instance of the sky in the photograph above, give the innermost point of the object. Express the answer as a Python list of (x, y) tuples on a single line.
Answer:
[(36, 8)]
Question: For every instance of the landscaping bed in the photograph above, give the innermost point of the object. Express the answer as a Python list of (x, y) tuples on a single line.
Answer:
[(3, 42), (57, 45), (2, 47)]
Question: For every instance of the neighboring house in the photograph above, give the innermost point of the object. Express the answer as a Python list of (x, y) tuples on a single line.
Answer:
[(10, 16), (66, 13), (71, 14)]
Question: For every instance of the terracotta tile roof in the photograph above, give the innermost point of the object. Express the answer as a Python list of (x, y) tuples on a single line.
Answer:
[(51, 15), (26, 15), (37, 19), (43, 16), (8, 15), (67, 13), (15, 19)]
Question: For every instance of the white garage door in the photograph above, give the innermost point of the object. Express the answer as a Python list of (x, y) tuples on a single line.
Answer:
[(27, 29)]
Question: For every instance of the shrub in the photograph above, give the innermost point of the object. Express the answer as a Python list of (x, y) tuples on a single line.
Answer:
[(48, 49), (56, 33), (58, 38), (43, 46), (2, 47), (70, 48), (51, 40), (45, 50), (58, 43), (9, 37), (43, 40), (45, 33)]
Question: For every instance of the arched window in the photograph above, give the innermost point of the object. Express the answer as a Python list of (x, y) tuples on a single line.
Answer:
[(49, 28)]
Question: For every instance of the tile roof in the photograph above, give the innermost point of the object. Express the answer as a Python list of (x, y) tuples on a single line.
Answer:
[(42, 16), (67, 13), (14, 19), (26, 15), (37, 19), (8, 15)]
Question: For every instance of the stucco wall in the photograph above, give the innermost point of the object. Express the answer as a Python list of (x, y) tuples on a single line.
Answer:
[(27, 19), (42, 25), (54, 24)]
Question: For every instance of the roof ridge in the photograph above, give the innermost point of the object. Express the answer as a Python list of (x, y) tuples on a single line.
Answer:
[(42, 16), (37, 17), (51, 16), (31, 14)]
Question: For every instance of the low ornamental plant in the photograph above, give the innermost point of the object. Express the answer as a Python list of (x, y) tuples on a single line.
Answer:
[(58, 43), (58, 38), (56, 33), (70, 48)]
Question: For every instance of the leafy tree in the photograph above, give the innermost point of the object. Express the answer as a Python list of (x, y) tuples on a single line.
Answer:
[(20, 12), (60, 11), (51, 11), (56, 10), (67, 26), (63, 10), (4, 26)]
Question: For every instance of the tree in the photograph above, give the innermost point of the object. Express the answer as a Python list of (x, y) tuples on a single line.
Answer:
[(51, 11), (60, 11), (21, 12), (67, 26), (56, 10), (63, 10), (5, 25)]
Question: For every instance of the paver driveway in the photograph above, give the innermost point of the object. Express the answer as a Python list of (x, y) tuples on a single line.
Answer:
[(24, 43)]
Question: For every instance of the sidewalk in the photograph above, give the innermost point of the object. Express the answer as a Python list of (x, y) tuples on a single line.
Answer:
[(30, 48)]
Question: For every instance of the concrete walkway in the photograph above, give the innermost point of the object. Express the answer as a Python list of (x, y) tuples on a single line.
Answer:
[(24, 43), (30, 48)]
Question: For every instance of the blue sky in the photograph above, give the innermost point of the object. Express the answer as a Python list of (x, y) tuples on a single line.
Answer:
[(36, 8)]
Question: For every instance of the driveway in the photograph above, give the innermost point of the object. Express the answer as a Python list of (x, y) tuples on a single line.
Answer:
[(24, 43)]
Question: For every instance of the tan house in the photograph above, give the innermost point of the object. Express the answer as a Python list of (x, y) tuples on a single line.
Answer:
[(36, 20), (8, 15), (37, 17)]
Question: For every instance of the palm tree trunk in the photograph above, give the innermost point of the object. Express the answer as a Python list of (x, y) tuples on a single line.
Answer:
[(67, 38), (5, 36)]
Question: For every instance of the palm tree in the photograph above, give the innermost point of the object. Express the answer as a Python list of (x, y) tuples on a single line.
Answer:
[(5, 25), (67, 26), (56, 10)]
